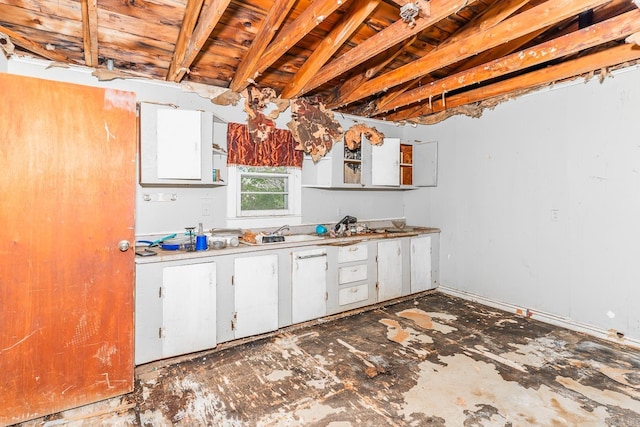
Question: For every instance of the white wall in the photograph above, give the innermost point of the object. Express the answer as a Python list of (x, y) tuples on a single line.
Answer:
[(574, 149), (318, 206)]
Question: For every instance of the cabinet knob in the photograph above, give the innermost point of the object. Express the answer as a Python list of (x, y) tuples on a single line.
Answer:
[(124, 245)]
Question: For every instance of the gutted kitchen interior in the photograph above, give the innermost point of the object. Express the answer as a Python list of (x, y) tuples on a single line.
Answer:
[(453, 190)]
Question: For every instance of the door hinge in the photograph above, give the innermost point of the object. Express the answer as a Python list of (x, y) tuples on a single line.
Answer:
[(326, 266), (326, 296), (377, 285), (233, 280), (160, 292), (161, 332), (233, 325)]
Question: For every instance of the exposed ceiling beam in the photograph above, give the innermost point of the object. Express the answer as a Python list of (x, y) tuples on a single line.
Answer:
[(533, 19), (352, 83), (384, 40), (349, 23), (90, 31), (209, 17), (495, 14), (189, 22), (32, 47), (246, 71), (597, 34), (566, 70), (296, 30)]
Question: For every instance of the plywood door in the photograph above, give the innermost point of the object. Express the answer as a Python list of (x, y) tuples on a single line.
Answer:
[(67, 168)]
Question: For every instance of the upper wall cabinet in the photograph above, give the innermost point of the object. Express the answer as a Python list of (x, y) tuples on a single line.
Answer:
[(181, 147), (395, 164)]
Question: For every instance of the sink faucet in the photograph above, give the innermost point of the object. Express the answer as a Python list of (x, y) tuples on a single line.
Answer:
[(279, 231)]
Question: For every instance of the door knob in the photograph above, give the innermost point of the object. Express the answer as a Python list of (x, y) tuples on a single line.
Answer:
[(124, 245)]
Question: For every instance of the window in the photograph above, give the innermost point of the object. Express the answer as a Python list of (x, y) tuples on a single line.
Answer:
[(269, 193), (263, 191)]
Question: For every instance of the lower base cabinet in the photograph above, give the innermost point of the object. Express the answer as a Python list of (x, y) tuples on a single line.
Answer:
[(389, 269), (255, 285), (421, 265), (308, 285), (175, 309)]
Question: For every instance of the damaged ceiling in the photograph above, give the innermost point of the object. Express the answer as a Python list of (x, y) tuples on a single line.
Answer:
[(401, 60)]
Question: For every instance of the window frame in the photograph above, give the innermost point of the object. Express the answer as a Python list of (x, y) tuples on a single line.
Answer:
[(264, 218)]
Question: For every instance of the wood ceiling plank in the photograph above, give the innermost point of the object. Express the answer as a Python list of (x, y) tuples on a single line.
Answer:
[(90, 32), (29, 45), (355, 81), (247, 69), (492, 16), (355, 16), (296, 30), (531, 20), (384, 40), (209, 18), (566, 70), (597, 34), (186, 30)]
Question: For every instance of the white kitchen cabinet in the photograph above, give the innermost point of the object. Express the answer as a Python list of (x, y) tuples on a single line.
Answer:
[(421, 263), (395, 164), (188, 308), (255, 283), (181, 147), (385, 163), (308, 284), (389, 269), (353, 270), (175, 308)]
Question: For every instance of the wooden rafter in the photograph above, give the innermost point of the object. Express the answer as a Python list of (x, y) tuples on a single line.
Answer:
[(586, 64), (189, 22), (495, 14), (357, 13), (352, 83), (209, 18), (603, 32), (246, 71), (292, 33), (517, 26), (90, 31), (27, 44), (384, 40)]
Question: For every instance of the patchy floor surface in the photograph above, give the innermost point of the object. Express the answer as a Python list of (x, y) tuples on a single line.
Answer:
[(430, 361)]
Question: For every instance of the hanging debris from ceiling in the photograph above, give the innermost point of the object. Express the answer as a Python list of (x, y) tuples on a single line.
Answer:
[(313, 127), (256, 102), (6, 45), (353, 137)]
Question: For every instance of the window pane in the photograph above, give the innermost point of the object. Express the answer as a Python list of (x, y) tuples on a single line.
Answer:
[(263, 184), (263, 169), (263, 202)]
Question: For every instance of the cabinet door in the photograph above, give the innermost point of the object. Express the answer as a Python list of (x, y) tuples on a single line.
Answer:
[(308, 285), (420, 263), (385, 163), (67, 198), (425, 164), (188, 308), (389, 269), (255, 281)]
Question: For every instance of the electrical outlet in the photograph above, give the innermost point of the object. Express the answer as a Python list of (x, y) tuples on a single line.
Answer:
[(555, 215)]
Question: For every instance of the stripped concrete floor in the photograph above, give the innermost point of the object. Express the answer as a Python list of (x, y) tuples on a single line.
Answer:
[(434, 360)]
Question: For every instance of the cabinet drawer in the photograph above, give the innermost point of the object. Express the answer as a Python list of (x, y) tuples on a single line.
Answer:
[(354, 294), (352, 273), (352, 253)]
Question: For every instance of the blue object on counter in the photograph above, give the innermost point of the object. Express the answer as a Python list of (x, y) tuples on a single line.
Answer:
[(321, 229), (201, 243)]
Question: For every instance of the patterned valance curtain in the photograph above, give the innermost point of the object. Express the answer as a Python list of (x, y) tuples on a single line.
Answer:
[(277, 150)]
